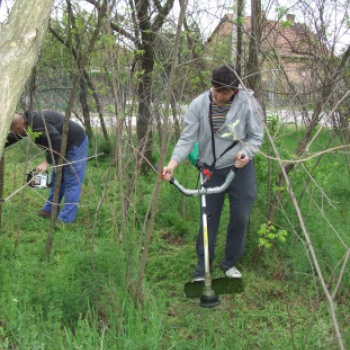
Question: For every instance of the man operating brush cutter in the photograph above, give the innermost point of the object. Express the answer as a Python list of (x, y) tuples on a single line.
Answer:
[(226, 124), (48, 126)]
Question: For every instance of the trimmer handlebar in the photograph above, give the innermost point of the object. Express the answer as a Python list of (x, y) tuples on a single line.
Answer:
[(202, 190)]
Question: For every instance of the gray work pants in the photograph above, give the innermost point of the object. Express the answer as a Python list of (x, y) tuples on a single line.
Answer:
[(241, 192)]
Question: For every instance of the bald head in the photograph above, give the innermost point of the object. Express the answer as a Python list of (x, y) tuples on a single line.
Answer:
[(18, 125)]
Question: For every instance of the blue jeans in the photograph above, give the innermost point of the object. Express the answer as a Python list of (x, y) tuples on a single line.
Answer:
[(72, 180), (241, 192)]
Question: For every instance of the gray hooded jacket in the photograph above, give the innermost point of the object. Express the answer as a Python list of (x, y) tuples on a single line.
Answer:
[(242, 123)]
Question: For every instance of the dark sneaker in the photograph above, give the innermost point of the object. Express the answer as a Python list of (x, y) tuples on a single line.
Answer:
[(44, 214)]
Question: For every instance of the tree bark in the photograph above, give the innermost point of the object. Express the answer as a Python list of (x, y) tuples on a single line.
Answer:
[(119, 153), (2, 168), (144, 133), (98, 107), (253, 64), (84, 106), (20, 40), (240, 26)]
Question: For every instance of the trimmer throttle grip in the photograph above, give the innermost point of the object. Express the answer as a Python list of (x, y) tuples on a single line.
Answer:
[(242, 157), (156, 167)]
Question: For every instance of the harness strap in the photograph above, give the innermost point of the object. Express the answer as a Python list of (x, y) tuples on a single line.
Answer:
[(212, 134), (212, 128)]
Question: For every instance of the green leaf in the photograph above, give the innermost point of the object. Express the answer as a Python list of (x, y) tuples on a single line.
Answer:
[(33, 134), (286, 24), (228, 134), (265, 243)]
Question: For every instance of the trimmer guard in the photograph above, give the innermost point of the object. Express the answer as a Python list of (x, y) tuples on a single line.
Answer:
[(223, 285)]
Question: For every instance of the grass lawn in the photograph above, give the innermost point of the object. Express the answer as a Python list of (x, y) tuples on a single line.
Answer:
[(84, 296)]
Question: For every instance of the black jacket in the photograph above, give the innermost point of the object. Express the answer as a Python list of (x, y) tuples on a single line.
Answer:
[(54, 126)]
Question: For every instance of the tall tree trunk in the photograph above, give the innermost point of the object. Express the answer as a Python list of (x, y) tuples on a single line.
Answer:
[(253, 64), (119, 153), (83, 98), (239, 45), (98, 107), (144, 134), (20, 40), (144, 119), (2, 168)]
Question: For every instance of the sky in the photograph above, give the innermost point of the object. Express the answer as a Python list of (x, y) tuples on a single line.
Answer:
[(207, 13)]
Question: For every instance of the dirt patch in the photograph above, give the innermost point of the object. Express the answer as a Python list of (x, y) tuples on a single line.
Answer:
[(173, 240)]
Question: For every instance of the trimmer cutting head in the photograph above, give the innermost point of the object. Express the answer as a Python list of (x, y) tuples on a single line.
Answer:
[(209, 301)]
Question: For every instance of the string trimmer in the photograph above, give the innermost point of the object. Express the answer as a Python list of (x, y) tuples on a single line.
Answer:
[(208, 290)]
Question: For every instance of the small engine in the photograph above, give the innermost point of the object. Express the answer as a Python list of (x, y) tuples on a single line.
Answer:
[(40, 181)]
